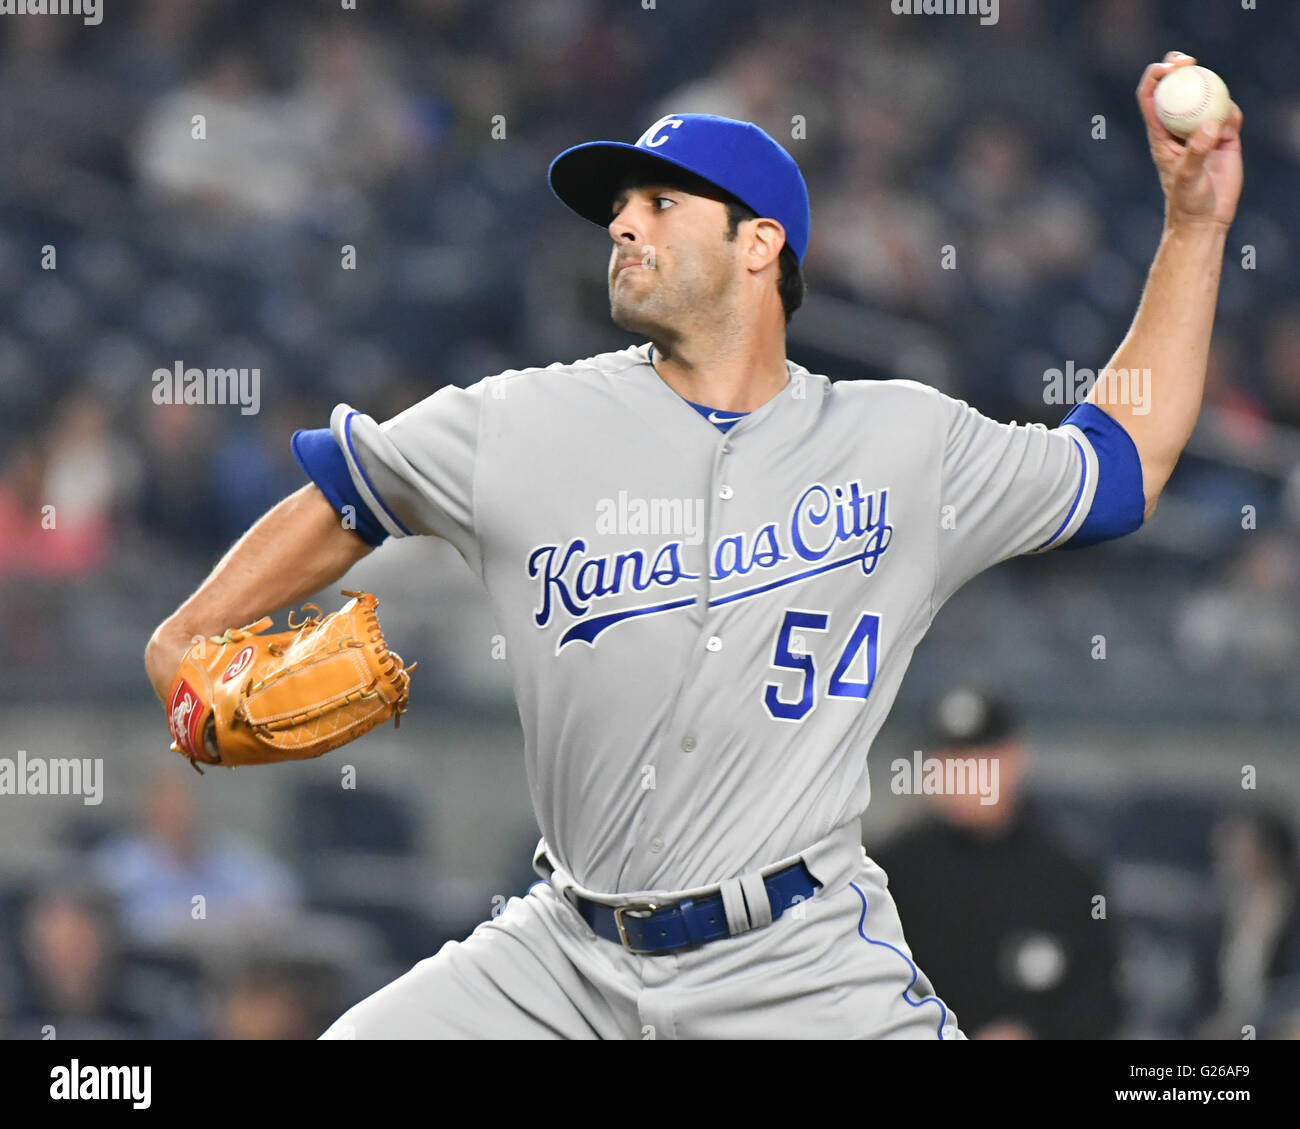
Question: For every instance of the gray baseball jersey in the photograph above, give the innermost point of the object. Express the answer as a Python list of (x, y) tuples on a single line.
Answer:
[(707, 630)]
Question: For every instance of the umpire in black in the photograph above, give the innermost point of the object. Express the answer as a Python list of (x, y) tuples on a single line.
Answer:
[(996, 908)]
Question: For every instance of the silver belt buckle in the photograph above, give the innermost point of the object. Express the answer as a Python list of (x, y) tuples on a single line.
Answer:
[(644, 910)]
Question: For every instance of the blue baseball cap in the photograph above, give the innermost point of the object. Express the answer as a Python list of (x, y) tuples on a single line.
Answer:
[(734, 156)]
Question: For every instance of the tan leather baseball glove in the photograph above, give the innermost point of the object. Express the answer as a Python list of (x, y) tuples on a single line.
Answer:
[(247, 698)]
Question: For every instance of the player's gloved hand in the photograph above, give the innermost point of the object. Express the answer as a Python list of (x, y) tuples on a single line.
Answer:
[(243, 697)]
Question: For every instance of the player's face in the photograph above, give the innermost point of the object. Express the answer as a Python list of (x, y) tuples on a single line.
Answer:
[(671, 261)]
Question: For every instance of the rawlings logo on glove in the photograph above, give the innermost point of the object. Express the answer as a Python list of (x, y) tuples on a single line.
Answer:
[(248, 698)]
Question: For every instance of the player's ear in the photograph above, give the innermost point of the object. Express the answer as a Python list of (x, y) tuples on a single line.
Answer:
[(763, 247)]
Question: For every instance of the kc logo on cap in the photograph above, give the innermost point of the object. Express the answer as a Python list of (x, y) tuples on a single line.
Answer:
[(651, 139)]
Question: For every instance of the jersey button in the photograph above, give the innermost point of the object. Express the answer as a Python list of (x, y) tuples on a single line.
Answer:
[(656, 844), (688, 744), (725, 492), (714, 643), (726, 448)]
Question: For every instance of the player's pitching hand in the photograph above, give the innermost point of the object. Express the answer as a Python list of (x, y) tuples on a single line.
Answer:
[(1202, 177)]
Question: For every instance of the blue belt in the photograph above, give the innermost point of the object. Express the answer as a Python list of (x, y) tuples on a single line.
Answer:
[(649, 928)]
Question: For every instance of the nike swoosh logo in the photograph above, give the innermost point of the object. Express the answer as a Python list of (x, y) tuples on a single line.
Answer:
[(714, 417)]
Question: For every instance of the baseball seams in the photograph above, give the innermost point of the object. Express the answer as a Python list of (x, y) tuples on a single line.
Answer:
[(1190, 114)]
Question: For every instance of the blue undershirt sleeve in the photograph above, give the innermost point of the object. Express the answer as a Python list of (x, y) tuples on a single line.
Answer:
[(322, 461), (1119, 504)]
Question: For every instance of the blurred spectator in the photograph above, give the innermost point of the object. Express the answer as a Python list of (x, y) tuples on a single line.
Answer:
[(1119, 31), (1253, 954), (28, 544), (254, 469), (752, 85), (349, 108), (54, 116), (151, 55), (58, 499), (881, 245), (996, 909), (248, 161), (341, 127), (274, 999), (68, 974), (1282, 364), (1025, 227), (1248, 417), (180, 442), (1237, 620), (160, 868)]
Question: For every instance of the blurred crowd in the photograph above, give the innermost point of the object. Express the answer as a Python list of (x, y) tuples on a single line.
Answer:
[(185, 181), (354, 203), (193, 173), (167, 925), (1049, 913), (1052, 913)]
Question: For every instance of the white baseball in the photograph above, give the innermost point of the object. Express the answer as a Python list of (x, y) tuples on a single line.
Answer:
[(1188, 96)]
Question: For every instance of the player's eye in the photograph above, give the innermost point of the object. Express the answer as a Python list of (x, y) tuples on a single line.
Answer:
[(621, 204)]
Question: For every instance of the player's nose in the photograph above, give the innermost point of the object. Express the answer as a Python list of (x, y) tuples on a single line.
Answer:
[(622, 229)]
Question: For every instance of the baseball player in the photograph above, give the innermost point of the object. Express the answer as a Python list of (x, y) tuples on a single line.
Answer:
[(711, 567)]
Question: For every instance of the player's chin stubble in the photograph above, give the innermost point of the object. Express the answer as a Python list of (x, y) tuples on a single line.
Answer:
[(637, 304), (661, 307)]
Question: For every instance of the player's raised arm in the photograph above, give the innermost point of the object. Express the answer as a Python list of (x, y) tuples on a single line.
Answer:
[(296, 548), (1168, 344)]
